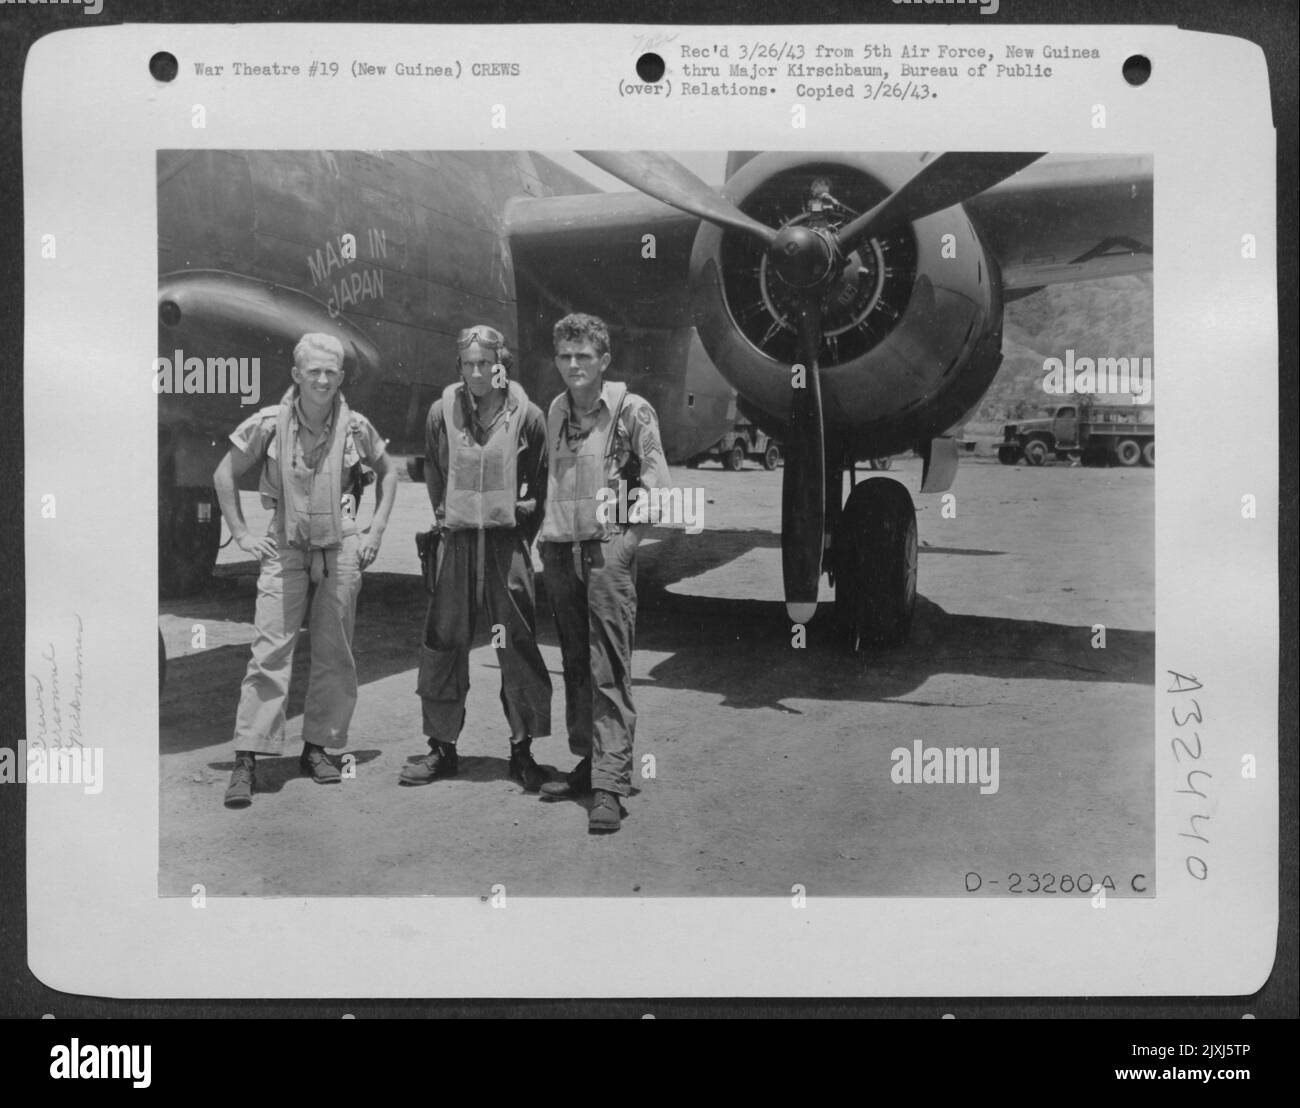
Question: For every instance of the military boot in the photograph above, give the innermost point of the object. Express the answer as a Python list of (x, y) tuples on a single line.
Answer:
[(441, 761), (239, 793), (605, 815), (522, 767), (576, 783), (316, 764)]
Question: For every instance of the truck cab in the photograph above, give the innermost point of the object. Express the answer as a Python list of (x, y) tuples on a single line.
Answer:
[(1096, 434)]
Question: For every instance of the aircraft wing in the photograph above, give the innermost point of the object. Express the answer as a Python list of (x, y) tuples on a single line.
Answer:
[(1068, 218), (626, 258), (623, 255)]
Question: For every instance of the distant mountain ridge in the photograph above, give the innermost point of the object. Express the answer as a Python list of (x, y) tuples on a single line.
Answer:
[(1111, 318)]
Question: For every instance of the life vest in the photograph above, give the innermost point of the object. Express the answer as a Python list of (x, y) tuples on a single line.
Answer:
[(577, 473), (313, 519), (482, 483)]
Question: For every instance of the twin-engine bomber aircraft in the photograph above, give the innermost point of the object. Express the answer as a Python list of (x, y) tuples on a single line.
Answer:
[(853, 301)]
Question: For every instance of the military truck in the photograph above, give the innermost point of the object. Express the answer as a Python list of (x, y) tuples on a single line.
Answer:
[(1097, 434), (743, 441)]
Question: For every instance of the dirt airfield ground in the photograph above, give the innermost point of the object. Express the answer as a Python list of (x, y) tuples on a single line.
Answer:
[(771, 764)]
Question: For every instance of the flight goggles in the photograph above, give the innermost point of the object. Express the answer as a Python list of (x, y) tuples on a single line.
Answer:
[(484, 336)]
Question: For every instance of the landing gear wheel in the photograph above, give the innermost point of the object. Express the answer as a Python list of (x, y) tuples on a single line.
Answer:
[(1008, 455), (1036, 452), (734, 459), (1149, 452), (1127, 452), (874, 557), (771, 456), (189, 536)]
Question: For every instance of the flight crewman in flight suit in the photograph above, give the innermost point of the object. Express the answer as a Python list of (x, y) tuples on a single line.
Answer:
[(485, 454), (311, 448), (603, 441)]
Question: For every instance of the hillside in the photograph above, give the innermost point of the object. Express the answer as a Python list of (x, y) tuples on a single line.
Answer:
[(1109, 318)]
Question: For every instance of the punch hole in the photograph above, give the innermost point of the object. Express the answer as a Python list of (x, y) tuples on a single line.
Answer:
[(164, 66), (1137, 69), (650, 67)]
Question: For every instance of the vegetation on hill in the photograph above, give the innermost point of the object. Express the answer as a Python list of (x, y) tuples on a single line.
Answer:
[(1096, 319)]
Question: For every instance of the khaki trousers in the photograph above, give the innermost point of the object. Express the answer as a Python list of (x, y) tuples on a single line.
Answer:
[(592, 590), (281, 604)]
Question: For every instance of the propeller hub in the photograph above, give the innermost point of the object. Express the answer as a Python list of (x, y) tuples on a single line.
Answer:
[(802, 256)]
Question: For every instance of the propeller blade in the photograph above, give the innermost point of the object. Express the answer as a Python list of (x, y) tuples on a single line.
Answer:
[(948, 180), (803, 488), (668, 180)]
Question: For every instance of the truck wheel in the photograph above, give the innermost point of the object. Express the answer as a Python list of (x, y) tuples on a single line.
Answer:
[(1149, 452), (771, 456), (734, 459), (1008, 455), (1127, 452), (1036, 452), (874, 554)]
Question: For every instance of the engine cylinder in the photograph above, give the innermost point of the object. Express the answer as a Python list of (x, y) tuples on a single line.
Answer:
[(912, 326)]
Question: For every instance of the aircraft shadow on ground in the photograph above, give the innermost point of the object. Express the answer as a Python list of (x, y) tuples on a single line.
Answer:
[(742, 650), (739, 650)]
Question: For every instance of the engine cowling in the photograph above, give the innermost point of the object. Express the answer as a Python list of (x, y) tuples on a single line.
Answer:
[(912, 326), (217, 315)]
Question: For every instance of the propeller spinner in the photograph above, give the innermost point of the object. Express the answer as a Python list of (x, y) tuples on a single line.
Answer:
[(808, 257)]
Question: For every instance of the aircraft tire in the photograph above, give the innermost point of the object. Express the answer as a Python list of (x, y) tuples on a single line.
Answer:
[(1008, 455), (875, 552), (187, 546), (1128, 453)]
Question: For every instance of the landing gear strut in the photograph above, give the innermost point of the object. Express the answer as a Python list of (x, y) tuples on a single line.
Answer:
[(808, 256), (189, 536)]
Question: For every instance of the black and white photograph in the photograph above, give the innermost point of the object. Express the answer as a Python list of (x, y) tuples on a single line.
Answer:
[(689, 525), (883, 626)]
